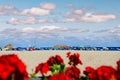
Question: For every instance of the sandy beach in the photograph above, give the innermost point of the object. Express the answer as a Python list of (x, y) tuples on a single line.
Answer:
[(89, 58)]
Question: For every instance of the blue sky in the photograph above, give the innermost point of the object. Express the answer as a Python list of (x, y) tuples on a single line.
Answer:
[(49, 22)]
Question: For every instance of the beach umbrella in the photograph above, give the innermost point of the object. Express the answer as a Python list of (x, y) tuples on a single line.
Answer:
[(59, 46), (10, 47)]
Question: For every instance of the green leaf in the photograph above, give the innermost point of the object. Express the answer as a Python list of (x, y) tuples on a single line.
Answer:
[(33, 75), (44, 78), (55, 69), (52, 69), (84, 78), (62, 67)]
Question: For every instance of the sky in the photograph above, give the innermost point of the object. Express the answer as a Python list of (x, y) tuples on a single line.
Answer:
[(45, 23)]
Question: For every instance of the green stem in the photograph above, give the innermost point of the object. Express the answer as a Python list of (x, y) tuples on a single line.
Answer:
[(44, 77)]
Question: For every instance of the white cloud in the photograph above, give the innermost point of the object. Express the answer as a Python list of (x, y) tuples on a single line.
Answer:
[(89, 17), (43, 30), (78, 12), (49, 28), (2, 13), (70, 20), (15, 21), (118, 26), (115, 32), (55, 34), (52, 21), (48, 6), (40, 34), (53, 29), (74, 13), (6, 9), (79, 15), (42, 20), (101, 31), (70, 6), (42, 10), (30, 20), (35, 11)]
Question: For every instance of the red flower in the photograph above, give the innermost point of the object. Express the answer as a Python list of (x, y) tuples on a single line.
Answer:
[(55, 60), (106, 73), (102, 73), (118, 65), (5, 71), (60, 76), (68, 54), (74, 59), (12, 67), (91, 73), (59, 60), (118, 69), (51, 61), (43, 68), (73, 72)]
